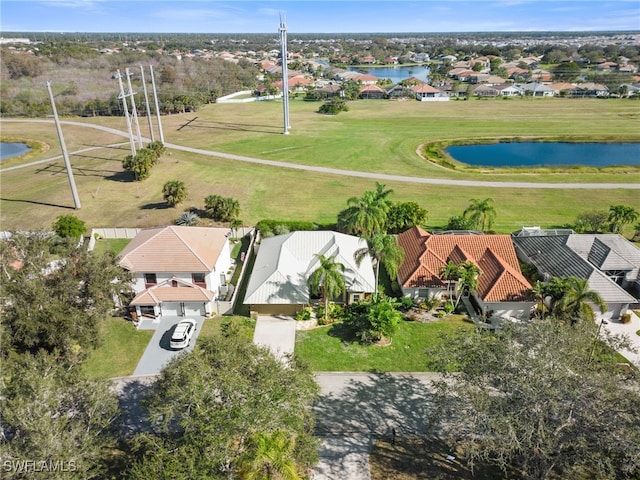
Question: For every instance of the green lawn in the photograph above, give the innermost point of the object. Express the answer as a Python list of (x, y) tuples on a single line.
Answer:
[(120, 351), (372, 136), (116, 245), (214, 326), (330, 348)]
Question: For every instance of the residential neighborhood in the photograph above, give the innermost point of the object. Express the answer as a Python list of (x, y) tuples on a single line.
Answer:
[(330, 302)]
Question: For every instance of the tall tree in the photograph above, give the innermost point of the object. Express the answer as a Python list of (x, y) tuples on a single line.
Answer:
[(481, 212), (468, 273), (328, 278), (383, 249), (366, 215), (208, 406), (576, 302), (450, 273), (621, 215), (527, 400), (53, 415), (57, 306)]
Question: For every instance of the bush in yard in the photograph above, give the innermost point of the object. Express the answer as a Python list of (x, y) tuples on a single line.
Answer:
[(333, 107), (68, 226), (174, 192), (625, 318), (268, 225), (222, 209), (374, 321), (188, 219), (304, 314)]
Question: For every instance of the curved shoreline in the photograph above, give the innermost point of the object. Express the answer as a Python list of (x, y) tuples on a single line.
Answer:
[(341, 172)]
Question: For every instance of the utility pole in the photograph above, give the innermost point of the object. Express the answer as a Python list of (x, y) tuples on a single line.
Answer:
[(146, 103), (65, 154), (155, 98), (285, 74), (134, 110), (126, 113)]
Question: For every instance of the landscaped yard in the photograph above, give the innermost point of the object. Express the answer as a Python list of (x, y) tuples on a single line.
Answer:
[(120, 351), (215, 326), (116, 245), (331, 348)]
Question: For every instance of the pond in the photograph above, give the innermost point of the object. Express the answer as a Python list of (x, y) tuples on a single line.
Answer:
[(396, 72), (12, 149), (547, 154)]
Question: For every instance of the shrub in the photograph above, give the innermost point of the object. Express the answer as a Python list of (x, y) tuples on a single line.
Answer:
[(406, 303), (69, 226), (333, 107), (280, 230), (625, 318), (188, 219), (304, 314), (269, 225)]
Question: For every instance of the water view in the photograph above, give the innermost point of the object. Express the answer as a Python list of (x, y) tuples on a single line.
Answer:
[(10, 149), (547, 154), (396, 72)]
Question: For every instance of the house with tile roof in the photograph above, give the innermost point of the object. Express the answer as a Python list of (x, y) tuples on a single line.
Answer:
[(427, 93), (609, 262), (502, 289), (178, 271), (278, 282)]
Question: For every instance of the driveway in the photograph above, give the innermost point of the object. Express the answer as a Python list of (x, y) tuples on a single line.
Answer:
[(278, 333), (356, 408), (158, 351)]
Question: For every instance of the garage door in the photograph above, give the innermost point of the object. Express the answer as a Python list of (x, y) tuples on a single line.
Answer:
[(194, 309), (171, 309)]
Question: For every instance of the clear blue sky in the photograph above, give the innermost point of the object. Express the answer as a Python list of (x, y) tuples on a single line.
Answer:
[(237, 16)]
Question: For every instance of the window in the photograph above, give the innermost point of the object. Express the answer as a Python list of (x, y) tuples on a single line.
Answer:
[(150, 279), (198, 279), (174, 283)]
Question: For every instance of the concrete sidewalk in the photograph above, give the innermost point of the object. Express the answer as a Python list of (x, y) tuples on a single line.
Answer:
[(278, 333), (629, 330)]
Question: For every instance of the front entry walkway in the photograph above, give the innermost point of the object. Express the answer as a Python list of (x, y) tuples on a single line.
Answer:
[(278, 333)]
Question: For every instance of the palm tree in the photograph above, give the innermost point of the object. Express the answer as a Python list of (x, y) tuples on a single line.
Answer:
[(367, 214), (450, 273), (468, 282), (234, 225), (620, 215), (383, 249), (174, 192), (481, 213), (575, 304), (269, 456), (327, 278)]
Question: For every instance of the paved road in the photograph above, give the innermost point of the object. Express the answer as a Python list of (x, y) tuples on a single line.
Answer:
[(356, 408), (351, 173)]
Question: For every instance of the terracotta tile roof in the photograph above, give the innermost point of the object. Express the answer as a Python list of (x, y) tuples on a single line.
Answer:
[(425, 255), (166, 292), (174, 249)]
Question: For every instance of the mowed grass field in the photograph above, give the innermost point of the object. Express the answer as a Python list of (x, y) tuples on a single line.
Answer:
[(373, 136)]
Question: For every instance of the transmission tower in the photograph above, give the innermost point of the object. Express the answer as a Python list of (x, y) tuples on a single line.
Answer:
[(285, 74)]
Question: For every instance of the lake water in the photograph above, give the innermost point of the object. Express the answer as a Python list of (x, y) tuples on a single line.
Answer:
[(547, 154), (396, 72), (8, 150)]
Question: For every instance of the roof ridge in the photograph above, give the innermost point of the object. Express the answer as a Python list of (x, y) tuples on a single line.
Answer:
[(186, 244)]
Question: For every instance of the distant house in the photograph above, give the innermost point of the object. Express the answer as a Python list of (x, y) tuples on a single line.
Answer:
[(591, 89), (609, 262), (502, 289), (178, 271), (278, 283), (536, 89), (427, 93), (483, 90), (330, 91), (372, 92), (399, 91)]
